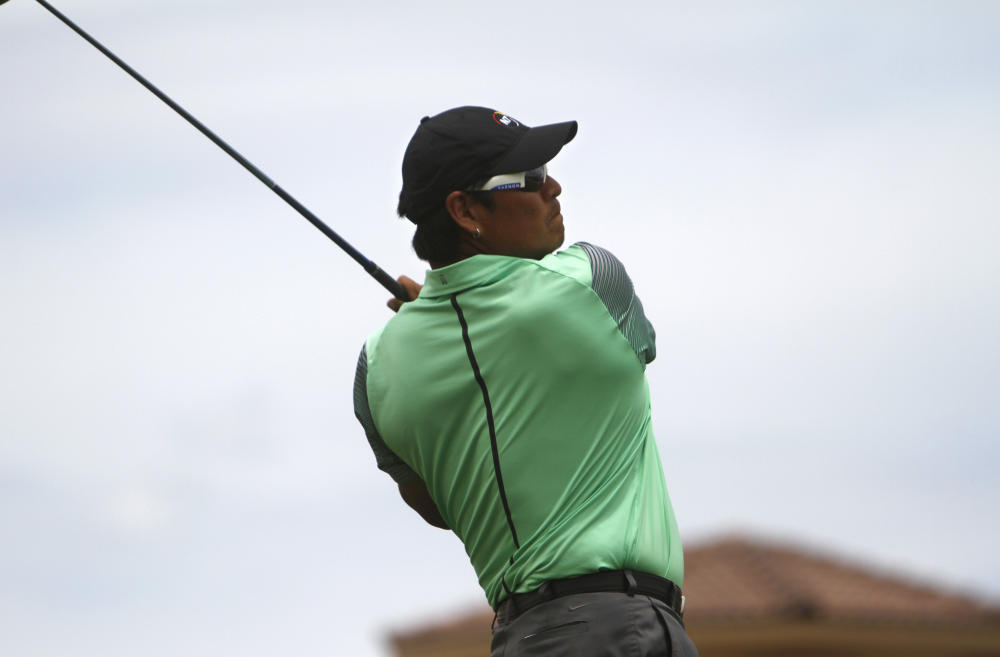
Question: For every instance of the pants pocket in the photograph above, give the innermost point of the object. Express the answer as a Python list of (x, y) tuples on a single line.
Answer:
[(562, 639)]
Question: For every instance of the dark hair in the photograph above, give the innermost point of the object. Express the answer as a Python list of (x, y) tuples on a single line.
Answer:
[(436, 237)]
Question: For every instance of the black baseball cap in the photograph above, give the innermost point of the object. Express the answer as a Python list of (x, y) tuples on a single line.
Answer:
[(461, 147)]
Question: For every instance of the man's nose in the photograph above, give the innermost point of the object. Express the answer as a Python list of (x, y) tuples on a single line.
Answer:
[(551, 188)]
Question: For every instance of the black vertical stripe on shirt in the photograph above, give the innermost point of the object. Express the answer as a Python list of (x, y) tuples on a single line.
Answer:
[(489, 415)]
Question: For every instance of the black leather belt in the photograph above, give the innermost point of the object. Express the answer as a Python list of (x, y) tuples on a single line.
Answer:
[(605, 581)]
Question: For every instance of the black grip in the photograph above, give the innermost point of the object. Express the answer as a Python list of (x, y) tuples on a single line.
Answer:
[(389, 283)]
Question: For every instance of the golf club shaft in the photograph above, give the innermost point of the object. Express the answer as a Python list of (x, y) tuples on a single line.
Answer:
[(387, 281)]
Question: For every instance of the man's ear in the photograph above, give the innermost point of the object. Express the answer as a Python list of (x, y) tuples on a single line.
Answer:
[(461, 210)]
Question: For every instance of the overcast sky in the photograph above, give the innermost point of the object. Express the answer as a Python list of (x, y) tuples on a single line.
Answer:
[(804, 194)]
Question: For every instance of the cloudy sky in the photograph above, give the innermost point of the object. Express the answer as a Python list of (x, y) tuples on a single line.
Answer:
[(804, 193)]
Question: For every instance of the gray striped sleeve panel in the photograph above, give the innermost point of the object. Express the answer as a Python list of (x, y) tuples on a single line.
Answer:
[(614, 288), (385, 458)]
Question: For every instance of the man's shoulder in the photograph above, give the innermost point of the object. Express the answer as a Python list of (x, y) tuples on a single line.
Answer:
[(589, 263), (572, 261), (370, 344)]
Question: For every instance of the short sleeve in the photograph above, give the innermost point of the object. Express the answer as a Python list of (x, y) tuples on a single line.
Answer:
[(612, 284), (385, 458)]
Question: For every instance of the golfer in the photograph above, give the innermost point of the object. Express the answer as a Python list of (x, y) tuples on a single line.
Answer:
[(509, 400)]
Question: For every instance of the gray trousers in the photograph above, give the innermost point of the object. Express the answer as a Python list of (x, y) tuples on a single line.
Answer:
[(594, 625)]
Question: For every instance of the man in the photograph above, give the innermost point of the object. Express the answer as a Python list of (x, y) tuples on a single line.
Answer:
[(509, 402)]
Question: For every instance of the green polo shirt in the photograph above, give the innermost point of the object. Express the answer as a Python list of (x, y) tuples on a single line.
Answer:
[(516, 390)]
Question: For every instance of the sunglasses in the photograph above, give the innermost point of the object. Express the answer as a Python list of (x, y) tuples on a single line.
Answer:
[(524, 181)]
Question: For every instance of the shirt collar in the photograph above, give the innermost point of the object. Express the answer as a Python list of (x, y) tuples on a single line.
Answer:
[(472, 271)]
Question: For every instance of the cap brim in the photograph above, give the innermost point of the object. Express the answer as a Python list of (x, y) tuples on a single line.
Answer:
[(538, 146)]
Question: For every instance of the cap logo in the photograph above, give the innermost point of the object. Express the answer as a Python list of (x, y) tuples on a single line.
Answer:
[(503, 119)]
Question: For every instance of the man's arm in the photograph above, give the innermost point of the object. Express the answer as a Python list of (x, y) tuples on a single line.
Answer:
[(414, 493), (413, 490)]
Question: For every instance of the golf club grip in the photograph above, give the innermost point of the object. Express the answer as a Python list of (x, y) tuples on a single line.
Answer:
[(387, 281)]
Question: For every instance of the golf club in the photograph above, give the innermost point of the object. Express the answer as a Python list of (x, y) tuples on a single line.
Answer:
[(387, 281)]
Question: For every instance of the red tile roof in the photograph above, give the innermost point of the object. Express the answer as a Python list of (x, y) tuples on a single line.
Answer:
[(740, 580), (736, 578)]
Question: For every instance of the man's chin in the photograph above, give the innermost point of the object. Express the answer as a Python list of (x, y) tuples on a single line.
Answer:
[(560, 239)]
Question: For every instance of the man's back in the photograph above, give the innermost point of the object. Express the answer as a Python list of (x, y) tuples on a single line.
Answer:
[(516, 390)]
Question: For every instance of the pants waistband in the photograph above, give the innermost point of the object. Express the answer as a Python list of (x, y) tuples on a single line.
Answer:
[(605, 581)]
